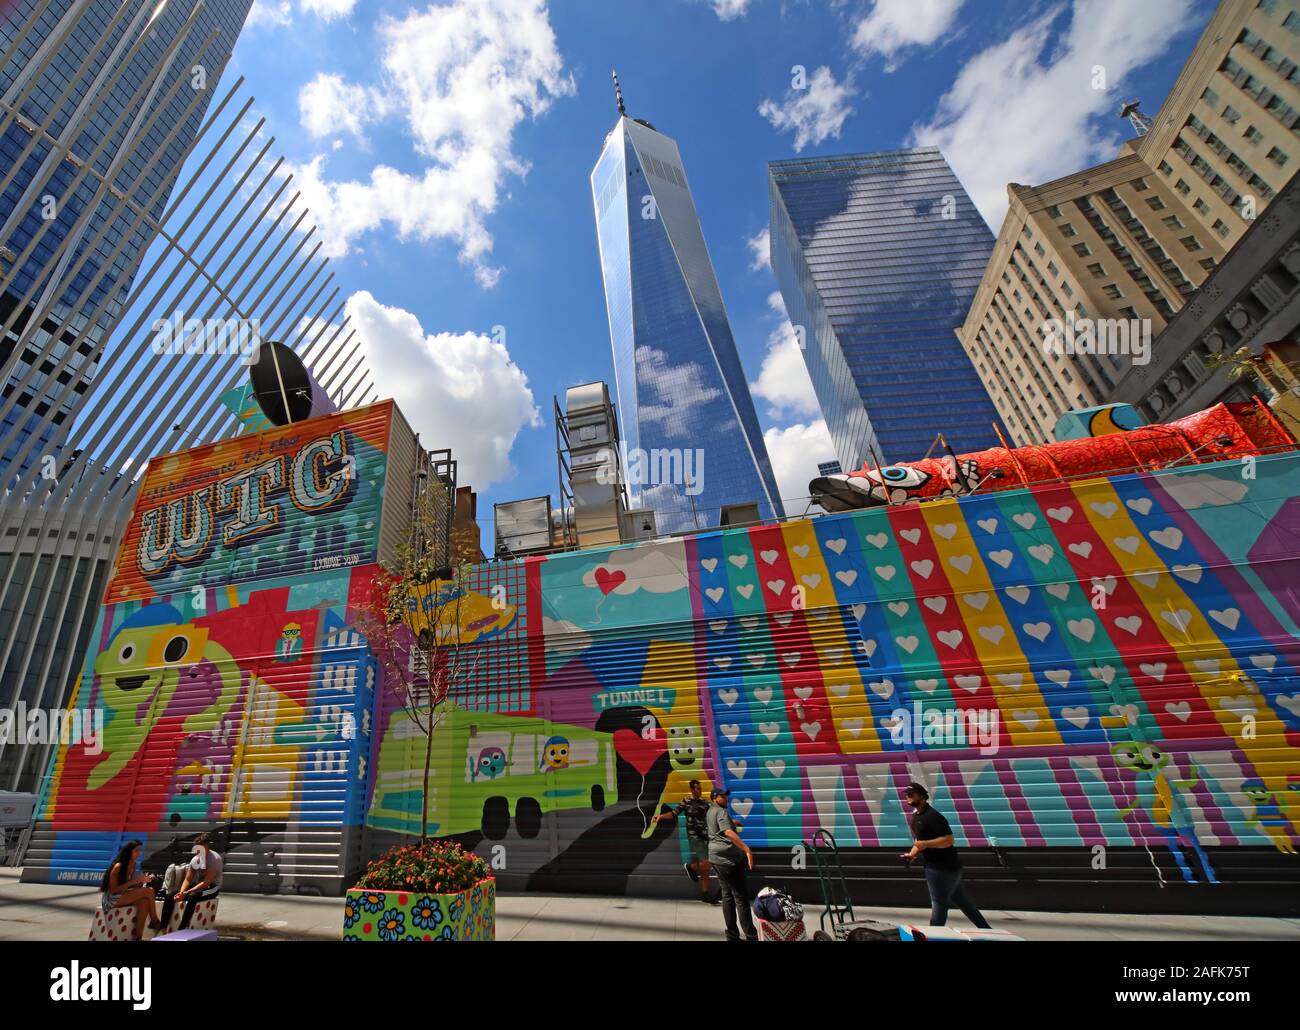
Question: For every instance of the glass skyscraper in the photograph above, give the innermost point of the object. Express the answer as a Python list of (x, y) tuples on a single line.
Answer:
[(678, 377), (109, 121), (878, 257)]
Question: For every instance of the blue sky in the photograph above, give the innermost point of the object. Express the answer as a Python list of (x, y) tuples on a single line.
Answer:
[(445, 150)]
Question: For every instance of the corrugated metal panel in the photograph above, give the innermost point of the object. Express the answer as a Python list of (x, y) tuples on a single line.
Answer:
[(295, 499), (253, 719), (403, 461), (1107, 662)]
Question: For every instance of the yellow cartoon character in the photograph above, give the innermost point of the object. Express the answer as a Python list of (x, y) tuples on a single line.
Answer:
[(139, 672), (289, 647), (1268, 815), (555, 754), (686, 763)]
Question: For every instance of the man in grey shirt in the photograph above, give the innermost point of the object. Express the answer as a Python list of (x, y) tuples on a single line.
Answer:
[(731, 860)]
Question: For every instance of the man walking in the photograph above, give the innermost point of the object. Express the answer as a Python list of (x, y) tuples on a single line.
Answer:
[(732, 860), (933, 841), (696, 809)]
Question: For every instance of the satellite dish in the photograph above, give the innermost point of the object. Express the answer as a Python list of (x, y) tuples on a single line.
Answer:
[(284, 387)]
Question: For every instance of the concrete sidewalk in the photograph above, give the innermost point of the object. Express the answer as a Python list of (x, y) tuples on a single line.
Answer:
[(40, 912)]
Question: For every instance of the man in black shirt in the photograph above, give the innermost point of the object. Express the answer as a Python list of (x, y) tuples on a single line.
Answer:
[(933, 841), (696, 809)]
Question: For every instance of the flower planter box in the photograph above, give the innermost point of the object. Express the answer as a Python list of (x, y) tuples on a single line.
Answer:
[(374, 915)]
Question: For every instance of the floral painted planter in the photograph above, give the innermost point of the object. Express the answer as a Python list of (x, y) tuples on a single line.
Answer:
[(370, 915)]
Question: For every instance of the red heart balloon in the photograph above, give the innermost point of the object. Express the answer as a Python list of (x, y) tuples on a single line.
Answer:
[(638, 751), (607, 580)]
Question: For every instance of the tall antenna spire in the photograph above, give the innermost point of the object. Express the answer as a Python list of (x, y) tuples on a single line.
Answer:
[(618, 96), (1140, 122)]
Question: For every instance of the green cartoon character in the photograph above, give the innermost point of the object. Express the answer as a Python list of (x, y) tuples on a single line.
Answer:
[(140, 672), (1158, 796), (1269, 816)]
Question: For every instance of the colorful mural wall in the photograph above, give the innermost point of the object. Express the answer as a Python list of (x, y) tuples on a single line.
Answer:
[(1103, 662)]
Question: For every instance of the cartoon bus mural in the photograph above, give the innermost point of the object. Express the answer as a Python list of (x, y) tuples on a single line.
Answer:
[(487, 770)]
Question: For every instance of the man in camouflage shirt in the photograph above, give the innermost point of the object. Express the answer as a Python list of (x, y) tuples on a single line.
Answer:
[(696, 809)]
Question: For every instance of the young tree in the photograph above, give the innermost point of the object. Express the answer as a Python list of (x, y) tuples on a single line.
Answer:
[(414, 623)]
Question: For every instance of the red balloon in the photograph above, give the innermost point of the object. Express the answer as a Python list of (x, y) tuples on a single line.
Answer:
[(638, 751)]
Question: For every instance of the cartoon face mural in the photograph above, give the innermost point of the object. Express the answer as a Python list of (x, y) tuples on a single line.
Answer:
[(555, 754), (491, 763), (139, 672)]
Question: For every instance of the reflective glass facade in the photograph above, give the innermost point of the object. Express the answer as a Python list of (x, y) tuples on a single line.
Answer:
[(120, 137), (678, 377), (878, 257)]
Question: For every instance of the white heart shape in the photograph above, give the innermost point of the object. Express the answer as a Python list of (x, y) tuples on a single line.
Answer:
[(803, 693), (784, 618), (1170, 537), (1027, 719), (976, 601), (993, 634), (929, 686), (988, 525), (783, 804), (1082, 548), (946, 530), (776, 766), (854, 726), (883, 688), (771, 730), (847, 576), (1077, 716), (840, 689), (1084, 629), (792, 658), (729, 697), (1060, 514), (1147, 579), (911, 535), (738, 560), (1182, 618), (813, 580), (1141, 505), (769, 556), (923, 568), (1291, 702), (750, 622), (763, 695), (937, 604), (1106, 585), (1058, 676), (1026, 519), (745, 589), (859, 610), (1191, 573), (1264, 661), (878, 539), (811, 729), (1037, 630), (1059, 590), (837, 546), (757, 659), (801, 550), (730, 731), (1003, 558), (743, 807), (722, 662), (899, 608), (1105, 673), (1180, 710), (1156, 670), (868, 647), (951, 637), (776, 586), (714, 594), (718, 625), (1209, 666), (960, 562), (1128, 544), (1229, 617), (1018, 594), (1043, 552), (1011, 679), (885, 572), (908, 644), (737, 768), (1104, 509), (709, 563), (1130, 623), (970, 683)]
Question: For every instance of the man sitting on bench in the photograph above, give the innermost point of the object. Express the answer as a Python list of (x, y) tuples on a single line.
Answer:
[(202, 881)]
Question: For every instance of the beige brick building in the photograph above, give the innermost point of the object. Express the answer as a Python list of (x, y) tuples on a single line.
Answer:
[(1133, 238)]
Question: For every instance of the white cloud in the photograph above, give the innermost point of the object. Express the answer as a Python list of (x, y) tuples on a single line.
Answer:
[(657, 568), (795, 452), (463, 75), (269, 12), (783, 379), (328, 105), (673, 395), (726, 10), (327, 10), (895, 25), (1025, 110), (813, 113), (759, 255), (457, 390)]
